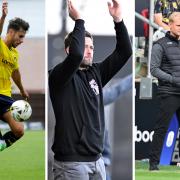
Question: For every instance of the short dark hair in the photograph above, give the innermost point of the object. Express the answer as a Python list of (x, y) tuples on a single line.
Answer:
[(18, 23), (68, 38)]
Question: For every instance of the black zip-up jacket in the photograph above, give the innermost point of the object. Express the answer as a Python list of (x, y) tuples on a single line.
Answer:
[(165, 64), (77, 97)]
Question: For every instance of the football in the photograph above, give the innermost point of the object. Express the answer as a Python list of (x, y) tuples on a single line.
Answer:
[(21, 110)]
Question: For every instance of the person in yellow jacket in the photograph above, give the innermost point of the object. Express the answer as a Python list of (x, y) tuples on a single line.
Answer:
[(9, 68)]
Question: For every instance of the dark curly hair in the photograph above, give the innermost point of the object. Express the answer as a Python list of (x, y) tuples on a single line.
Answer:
[(18, 23)]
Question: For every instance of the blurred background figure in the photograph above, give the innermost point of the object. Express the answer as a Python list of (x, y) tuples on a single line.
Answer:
[(119, 114), (162, 10), (111, 94)]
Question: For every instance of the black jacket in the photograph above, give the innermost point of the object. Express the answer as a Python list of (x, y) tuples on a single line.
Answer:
[(170, 65), (77, 98)]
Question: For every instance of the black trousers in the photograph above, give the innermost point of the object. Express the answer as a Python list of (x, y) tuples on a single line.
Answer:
[(168, 105)]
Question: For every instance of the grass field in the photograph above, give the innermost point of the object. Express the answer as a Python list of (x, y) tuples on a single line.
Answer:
[(165, 173), (25, 159)]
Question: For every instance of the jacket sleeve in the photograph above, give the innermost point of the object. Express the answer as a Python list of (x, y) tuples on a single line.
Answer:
[(113, 63), (64, 71), (155, 67), (117, 90)]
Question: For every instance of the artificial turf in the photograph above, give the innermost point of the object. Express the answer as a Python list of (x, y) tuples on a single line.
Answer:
[(24, 160), (165, 172)]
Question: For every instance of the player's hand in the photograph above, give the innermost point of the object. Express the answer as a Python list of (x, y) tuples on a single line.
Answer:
[(115, 10), (4, 8), (73, 13), (25, 94)]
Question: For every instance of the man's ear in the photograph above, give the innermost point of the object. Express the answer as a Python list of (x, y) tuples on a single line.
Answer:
[(67, 50), (10, 32)]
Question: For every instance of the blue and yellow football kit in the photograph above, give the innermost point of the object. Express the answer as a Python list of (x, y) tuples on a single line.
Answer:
[(8, 63), (166, 7)]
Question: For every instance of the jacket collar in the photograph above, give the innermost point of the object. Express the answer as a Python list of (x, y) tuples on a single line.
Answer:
[(171, 37)]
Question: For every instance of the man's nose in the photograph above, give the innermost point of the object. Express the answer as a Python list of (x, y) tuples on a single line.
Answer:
[(21, 40), (89, 50)]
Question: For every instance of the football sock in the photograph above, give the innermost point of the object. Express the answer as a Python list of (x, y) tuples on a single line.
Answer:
[(0, 135), (9, 138), (2, 145)]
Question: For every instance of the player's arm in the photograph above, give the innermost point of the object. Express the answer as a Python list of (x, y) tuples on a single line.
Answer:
[(112, 64), (158, 19), (64, 71), (4, 14), (16, 76)]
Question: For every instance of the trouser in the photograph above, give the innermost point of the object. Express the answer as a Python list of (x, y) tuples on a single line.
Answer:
[(168, 105), (79, 170), (108, 172)]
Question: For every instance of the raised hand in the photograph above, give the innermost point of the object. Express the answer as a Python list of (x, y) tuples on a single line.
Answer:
[(73, 13), (115, 10), (4, 14), (4, 8)]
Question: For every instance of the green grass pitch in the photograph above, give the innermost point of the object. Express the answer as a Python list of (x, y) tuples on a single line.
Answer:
[(165, 173), (24, 160)]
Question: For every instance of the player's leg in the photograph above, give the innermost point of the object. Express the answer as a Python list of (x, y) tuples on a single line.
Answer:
[(2, 143), (16, 127), (5, 103), (17, 130)]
